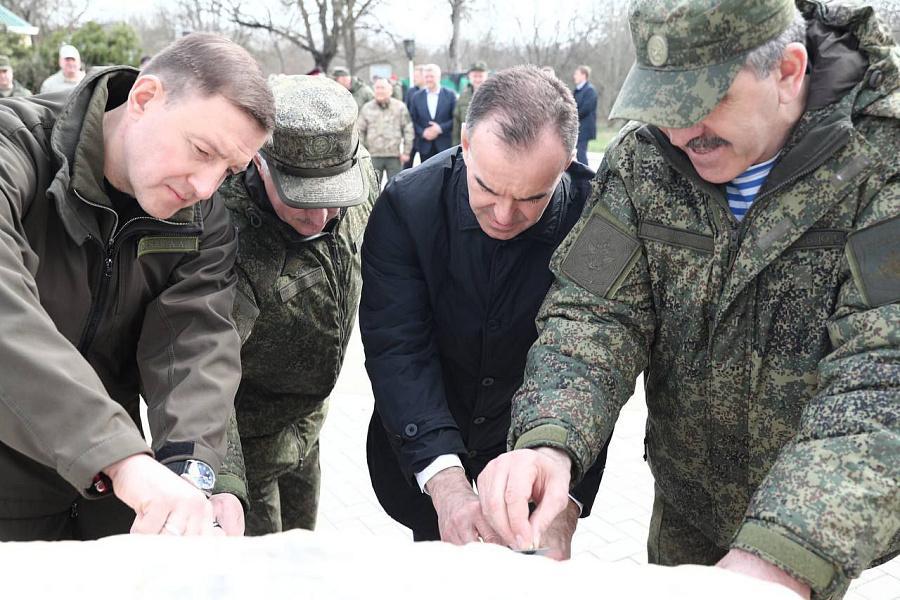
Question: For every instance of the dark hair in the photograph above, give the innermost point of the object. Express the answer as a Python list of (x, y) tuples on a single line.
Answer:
[(212, 64), (522, 101)]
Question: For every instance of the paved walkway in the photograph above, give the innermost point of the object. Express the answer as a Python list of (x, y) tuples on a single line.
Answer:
[(615, 531)]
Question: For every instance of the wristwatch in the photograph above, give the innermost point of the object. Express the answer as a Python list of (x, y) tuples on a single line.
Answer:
[(197, 472)]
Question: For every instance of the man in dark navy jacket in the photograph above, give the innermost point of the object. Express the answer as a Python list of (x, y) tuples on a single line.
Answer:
[(586, 98), (431, 110), (455, 266)]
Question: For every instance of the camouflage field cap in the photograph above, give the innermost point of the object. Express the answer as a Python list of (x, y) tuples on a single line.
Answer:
[(4, 63), (314, 152), (689, 52)]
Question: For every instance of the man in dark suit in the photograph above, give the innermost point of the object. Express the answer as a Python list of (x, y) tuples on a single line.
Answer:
[(417, 86), (431, 110), (586, 98)]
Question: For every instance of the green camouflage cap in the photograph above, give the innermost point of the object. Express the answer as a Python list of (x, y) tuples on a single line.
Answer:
[(689, 52), (313, 155), (4, 62), (478, 65), (340, 72)]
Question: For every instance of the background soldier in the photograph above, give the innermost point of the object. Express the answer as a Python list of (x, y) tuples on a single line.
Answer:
[(70, 71), (360, 91), (8, 84), (301, 210), (478, 72), (386, 131), (742, 251)]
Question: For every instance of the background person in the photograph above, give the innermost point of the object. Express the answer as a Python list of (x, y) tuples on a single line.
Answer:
[(386, 131), (70, 71), (431, 110)]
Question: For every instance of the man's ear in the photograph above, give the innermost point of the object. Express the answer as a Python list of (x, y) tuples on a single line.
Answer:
[(147, 91), (464, 137), (791, 72)]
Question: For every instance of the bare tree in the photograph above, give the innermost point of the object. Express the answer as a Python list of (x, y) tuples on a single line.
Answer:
[(459, 9), (318, 27), (49, 14)]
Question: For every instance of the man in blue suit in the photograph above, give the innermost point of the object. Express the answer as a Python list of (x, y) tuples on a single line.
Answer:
[(431, 110), (586, 98)]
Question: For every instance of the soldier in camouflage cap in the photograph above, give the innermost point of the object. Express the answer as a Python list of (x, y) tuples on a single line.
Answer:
[(9, 87), (360, 91), (477, 74), (300, 210), (741, 249)]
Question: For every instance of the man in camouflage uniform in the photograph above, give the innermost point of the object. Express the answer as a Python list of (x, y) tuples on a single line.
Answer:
[(769, 345), (386, 131), (359, 90), (478, 72), (9, 87), (300, 210)]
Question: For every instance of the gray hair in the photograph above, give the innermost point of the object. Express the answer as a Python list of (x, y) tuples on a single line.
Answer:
[(762, 60), (523, 101)]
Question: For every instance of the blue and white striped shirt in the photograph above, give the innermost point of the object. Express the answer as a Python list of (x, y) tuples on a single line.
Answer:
[(742, 190)]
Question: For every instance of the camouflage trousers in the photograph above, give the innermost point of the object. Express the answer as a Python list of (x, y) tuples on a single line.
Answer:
[(283, 475), (674, 541), (389, 165)]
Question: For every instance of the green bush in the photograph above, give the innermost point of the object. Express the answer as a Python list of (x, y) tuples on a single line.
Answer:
[(99, 45)]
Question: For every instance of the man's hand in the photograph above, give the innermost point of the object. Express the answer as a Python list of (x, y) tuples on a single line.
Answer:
[(432, 131), (743, 562), (404, 158), (511, 481), (458, 510), (229, 513), (558, 537), (163, 501)]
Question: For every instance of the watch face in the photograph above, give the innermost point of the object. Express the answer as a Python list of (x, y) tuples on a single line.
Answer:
[(200, 474)]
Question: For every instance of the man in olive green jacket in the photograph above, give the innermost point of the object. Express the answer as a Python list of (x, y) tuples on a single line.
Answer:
[(117, 282), (301, 210), (478, 72), (742, 250)]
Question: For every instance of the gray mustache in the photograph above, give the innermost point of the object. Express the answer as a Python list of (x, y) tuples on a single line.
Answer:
[(706, 143)]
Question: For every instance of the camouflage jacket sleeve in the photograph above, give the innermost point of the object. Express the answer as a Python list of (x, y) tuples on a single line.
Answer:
[(232, 477), (596, 326), (408, 131), (362, 125), (457, 123), (830, 505)]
